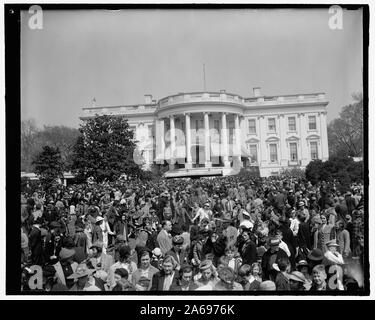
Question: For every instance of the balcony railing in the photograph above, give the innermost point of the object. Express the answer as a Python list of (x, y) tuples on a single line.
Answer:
[(118, 110), (285, 99), (199, 97)]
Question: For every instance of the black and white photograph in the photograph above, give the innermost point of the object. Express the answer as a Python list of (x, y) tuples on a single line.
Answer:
[(192, 148)]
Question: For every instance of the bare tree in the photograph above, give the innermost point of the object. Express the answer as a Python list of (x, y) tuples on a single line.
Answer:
[(345, 134)]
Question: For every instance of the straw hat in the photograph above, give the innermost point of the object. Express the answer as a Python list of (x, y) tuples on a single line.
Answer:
[(66, 253), (81, 271), (297, 276), (332, 243)]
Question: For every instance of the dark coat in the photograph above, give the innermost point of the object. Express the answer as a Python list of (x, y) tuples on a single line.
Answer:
[(249, 253), (36, 246), (290, 241), (181, 257), (51, 247), (303, 236), (282, 283), (251, 286), (176, 286), (158, 281), (270, 274), (80, 254)]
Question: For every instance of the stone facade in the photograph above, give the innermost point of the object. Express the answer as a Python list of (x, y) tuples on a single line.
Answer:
[(214, 133)]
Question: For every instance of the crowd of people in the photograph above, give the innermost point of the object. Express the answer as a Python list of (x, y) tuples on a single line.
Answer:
[(224, 233)]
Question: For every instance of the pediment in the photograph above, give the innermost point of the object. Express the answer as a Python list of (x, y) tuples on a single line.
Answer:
[(252, 140), (292, 138), (273, 139), (312, 136)]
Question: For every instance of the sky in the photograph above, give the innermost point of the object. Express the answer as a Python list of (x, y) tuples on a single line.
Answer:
[(118, 56)]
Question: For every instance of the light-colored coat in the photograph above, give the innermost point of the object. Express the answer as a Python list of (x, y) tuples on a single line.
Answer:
[(164, 241)]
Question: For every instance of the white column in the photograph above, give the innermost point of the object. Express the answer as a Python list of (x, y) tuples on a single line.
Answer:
[(224, 140), (283, 145), (173, 142), (324, 136), (188, 141), (263, 159), (207, 145), (305, 157), (237, 131), (160, 143)]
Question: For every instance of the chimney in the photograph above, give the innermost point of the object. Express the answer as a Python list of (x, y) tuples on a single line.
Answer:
[(148, 98), (257, 92)]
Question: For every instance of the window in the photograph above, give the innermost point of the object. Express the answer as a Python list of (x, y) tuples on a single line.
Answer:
[(231, 130), (312, 123), (293, 151), (150, 131), (217, 125), (252, 128), (314, 150), (271, 125), (253, 153), (273, 152), (292, 123)]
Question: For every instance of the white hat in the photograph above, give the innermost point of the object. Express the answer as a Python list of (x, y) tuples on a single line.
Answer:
[(246, 224), (156, 252), (244, 212), (99, 218), (101, 274), (122, 201), (275, 266)]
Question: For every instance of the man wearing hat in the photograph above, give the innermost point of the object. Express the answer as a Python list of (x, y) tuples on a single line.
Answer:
[(227, 283), (203, 213), (243, 215), (53, 242), (273, 254), (297, 281), (82, 279), (303, 211), (332, 256), (177, 252), (100, 260), (315, 257), (65, 267), (97, 232), (303, 267), (36, 243)]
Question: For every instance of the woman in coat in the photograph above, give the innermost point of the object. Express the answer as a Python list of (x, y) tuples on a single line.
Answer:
[(248, 251)]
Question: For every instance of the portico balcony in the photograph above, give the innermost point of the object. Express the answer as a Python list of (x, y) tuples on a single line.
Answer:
[(200, 97)]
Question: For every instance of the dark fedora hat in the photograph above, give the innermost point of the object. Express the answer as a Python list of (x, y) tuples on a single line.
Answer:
[(316, 255)]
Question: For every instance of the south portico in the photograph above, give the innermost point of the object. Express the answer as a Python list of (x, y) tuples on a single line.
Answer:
[(199, 139)]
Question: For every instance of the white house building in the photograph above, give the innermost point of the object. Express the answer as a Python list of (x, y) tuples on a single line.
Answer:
[(217, 133)]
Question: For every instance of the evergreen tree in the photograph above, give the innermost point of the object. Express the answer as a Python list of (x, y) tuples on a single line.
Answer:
[(105, 150), (48, 166)]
